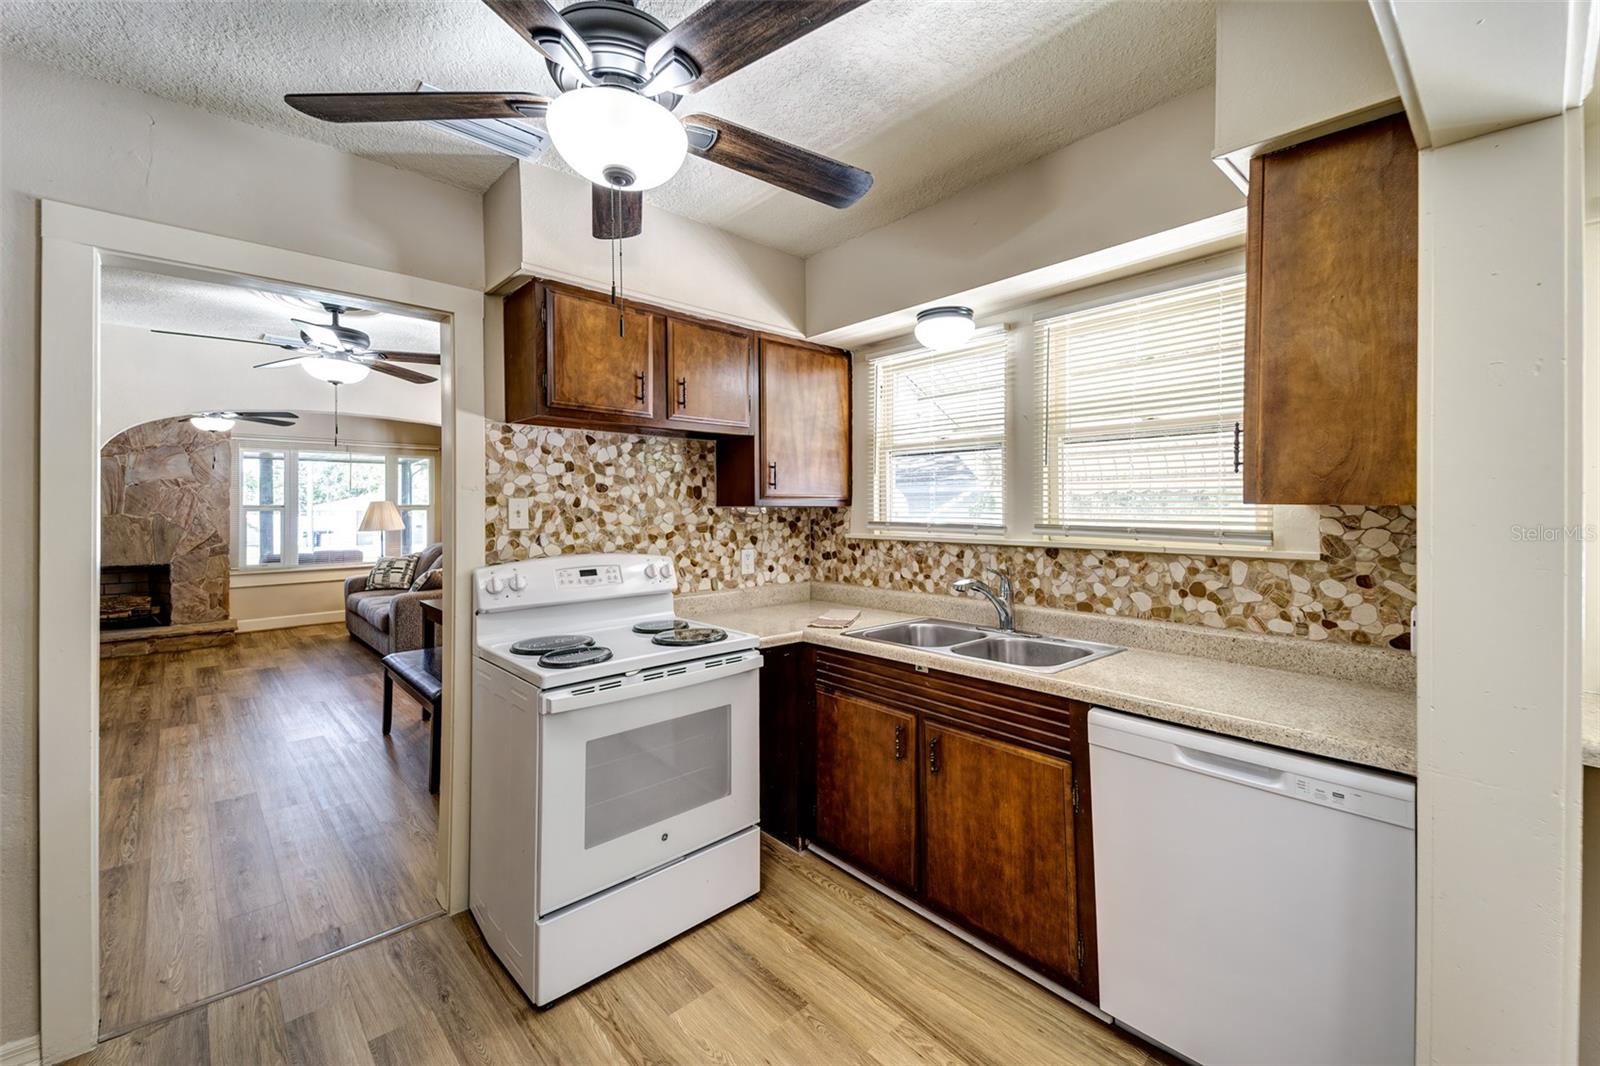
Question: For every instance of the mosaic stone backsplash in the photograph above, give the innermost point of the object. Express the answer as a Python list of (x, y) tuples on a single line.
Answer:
[(1361, 591), (612, 492), (604, 492)]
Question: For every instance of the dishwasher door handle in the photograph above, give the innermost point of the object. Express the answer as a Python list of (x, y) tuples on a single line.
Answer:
[(1247, 773)]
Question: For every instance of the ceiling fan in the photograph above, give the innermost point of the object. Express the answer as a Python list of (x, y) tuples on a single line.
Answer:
[(222, 421), (620, 72), (332, 352)]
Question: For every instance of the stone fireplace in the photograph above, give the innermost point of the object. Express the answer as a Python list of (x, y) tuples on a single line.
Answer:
[(164, 537)]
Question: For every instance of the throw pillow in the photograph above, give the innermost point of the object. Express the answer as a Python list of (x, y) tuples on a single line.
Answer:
[(393, 572), (429, 580)]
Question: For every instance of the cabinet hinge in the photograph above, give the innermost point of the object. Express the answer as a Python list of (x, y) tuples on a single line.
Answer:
[(1075, 809)]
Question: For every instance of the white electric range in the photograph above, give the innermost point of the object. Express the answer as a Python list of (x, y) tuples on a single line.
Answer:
[(614, 766)]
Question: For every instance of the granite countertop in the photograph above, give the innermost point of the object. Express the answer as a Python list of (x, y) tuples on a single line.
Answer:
[(1317, 715)]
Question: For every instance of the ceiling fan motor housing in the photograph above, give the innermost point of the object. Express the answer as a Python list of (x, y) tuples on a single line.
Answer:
[(617, 34)]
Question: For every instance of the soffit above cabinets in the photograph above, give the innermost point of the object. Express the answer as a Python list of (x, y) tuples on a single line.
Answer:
[(932, 96)]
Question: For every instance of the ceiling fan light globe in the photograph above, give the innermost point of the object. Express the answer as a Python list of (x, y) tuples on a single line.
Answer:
[(211, 423), (335, 371), (940, 328), (610, 135)]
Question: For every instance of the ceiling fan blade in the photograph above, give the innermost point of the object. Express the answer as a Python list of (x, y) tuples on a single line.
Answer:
[(723, 36), (535, 19), (778, 162), (615, 214), (293, 360), (431, 358), (402, 373), (415, 107), (214, 337), (266, 421), (262, 414)]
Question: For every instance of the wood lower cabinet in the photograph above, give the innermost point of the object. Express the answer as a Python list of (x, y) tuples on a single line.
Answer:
[(709, 375), (968, 796), (998, 836), (1330, 411), (788, 737), (867, 785), (800, 455)]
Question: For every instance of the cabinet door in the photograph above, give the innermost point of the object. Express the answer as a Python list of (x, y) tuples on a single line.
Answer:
[(867, 785), (1330, 411), (593, 366), (708, 374), (998, 844), (805, 422)]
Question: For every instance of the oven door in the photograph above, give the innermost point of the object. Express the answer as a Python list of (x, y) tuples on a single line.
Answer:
[(634, 776)]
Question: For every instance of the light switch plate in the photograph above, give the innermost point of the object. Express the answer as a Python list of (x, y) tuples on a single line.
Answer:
[(518, 509), (747, 561)]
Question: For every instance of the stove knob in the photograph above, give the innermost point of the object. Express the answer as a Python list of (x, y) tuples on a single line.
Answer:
[(650, 570), (493, 586), (518, 582), (666, 572)]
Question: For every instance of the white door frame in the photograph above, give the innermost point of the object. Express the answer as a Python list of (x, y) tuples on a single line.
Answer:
[(75, 241)]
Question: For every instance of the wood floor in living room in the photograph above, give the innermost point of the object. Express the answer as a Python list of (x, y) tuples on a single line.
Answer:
[(816, 969), (252, 815)]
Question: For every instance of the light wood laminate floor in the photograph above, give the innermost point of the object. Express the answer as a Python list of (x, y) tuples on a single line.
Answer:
[(818, 969), (252, 815)]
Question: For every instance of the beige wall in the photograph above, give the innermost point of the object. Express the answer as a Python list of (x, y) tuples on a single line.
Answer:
[(1287, 66), (280, 600), (82, 142), (1144, 176)]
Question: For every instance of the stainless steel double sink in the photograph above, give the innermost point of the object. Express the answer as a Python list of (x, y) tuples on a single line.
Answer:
[(1030, 651)]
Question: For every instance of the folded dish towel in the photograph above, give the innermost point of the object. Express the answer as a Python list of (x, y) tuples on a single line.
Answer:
[(835, 619)]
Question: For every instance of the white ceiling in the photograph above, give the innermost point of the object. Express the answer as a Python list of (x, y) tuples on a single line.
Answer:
[(930, 95)]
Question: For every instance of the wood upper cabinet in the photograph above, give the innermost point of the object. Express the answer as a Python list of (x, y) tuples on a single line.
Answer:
[(709, 380), (1331, 320), (599, 358), (998, 844), (867, 785), (801, 452)]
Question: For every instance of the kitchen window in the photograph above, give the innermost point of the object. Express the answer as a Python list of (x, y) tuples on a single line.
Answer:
[(938, 435), (1106, 420), (302, 507)]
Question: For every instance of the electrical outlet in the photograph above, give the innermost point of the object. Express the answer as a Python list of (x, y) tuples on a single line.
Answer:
[(519, 512), (747, 561)]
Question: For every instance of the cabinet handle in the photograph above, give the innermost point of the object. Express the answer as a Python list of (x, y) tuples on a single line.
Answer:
[(683, 393), (772, 475), (638, 386), (1238, 447), (899, 743), (933, 755)]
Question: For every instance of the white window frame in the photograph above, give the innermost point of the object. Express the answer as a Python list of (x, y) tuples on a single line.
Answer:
[(289, 527), (1296, 532)]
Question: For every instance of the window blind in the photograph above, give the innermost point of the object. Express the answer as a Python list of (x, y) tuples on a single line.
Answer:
[(938, 435), (1138, 401)]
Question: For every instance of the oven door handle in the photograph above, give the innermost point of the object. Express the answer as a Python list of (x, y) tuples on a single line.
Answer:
[(581, 696)]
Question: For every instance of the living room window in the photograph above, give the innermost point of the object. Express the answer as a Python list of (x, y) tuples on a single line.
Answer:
[(331, 491)]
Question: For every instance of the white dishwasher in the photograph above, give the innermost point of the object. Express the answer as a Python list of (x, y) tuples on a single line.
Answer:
[(1254, 907)]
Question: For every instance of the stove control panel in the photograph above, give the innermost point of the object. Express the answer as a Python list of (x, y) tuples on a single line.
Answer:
[(579, 577), (571, 579)]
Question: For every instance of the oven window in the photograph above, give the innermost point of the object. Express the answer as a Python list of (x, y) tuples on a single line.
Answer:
[(643, 776)]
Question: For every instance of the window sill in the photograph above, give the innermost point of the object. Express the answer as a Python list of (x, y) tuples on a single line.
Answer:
[(255, 577), (1298, 537)]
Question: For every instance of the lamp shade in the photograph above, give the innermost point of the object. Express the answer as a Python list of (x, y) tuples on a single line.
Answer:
[(616, 138), (381, 517), (335, 369)]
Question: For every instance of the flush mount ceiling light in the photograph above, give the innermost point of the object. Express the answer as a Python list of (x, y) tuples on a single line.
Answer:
[(617, 138), (336, 369), (944, 327)]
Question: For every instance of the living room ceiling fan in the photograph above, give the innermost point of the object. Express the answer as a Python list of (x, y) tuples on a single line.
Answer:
[(223, 421), (332, 352), (621, 72)]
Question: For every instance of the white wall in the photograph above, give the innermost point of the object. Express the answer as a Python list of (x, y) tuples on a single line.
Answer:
[(1149, 174), (674, 261), (145, 376), (1289, 66), (71, 139)]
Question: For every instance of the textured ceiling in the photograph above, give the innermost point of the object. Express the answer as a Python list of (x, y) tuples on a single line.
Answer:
[(130, 297), (930, 95)]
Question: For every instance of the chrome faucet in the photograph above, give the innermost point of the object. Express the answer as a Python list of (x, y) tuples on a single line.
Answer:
[(1000, 600)]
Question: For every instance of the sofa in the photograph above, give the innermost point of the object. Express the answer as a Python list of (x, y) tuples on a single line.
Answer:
[(389, 620)]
